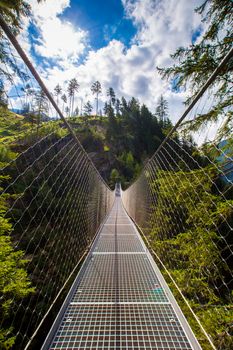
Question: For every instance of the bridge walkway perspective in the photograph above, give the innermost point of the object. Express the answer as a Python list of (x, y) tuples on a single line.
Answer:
[(119, 299)]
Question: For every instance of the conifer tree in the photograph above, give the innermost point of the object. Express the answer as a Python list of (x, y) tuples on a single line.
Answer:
[(57, 91), (162, 109), (195, 63), (87, 108), (111, 95), (96, 90), (72, 88)]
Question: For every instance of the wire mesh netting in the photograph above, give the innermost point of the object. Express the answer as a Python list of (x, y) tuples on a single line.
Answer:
[(183, 202), (52, 203)]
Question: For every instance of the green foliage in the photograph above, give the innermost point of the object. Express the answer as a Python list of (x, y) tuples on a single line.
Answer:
[(13, 10), (114, 177), (41, 106), (10, 123), (134, 133), (14, 281), (218, 322), (6, 155), (188, 235), (18, 130), (87, 108), (111, 95), (195, 63)]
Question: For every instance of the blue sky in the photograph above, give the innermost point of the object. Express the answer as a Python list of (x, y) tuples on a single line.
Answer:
[(118, 42), (104, 20)]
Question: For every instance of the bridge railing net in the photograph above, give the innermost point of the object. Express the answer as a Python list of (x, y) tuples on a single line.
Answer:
[(183, 203), (52, 202)]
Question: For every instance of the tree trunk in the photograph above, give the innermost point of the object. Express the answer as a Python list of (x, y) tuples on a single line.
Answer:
[(96, 104)]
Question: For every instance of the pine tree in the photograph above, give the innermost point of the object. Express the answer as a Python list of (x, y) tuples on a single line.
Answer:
[(194, 64), (111, 95), (87, 108), (41, 105), (162, 109), (72, 88), (117, 106), (96, 89), (3, 100), (57, 91), (12, 12), (106, 106), (28, 93)]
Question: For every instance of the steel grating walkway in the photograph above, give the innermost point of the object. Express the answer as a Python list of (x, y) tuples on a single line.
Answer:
[(119, 299)]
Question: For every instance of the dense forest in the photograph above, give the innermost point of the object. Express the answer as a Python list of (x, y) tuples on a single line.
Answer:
[(118, 142), (192, 238)]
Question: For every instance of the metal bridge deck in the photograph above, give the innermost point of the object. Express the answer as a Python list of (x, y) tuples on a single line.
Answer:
[(119, 299)]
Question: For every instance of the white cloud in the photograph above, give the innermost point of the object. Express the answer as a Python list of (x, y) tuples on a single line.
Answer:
[(49, 9), (58, 39), (162, 26)]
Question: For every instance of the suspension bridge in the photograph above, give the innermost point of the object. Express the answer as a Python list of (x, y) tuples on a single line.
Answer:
[(120, 299), (63, 214)]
